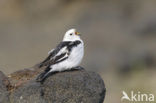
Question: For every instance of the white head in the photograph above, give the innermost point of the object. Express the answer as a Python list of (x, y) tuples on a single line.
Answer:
[(71, 35)]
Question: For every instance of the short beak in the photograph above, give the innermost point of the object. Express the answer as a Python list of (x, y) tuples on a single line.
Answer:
[(77, 33)]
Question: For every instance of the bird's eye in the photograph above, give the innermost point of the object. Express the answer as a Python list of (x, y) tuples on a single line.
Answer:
[(71, 34)]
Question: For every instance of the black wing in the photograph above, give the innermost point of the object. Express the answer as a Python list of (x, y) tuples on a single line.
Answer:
[(57, 55), (52, 58)]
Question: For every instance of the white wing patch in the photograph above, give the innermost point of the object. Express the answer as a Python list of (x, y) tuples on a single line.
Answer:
[(63, 50), (51, 51)]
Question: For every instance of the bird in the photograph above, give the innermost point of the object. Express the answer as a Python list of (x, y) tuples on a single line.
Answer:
[(67, 55)]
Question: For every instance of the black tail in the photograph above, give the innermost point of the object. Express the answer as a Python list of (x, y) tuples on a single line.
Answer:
[(41, 78)]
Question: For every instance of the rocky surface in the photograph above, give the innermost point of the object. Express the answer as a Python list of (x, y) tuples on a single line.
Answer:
[(4, 94), (77, 86)]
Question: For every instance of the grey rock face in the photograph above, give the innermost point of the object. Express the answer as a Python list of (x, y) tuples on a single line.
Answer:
[(74, 87), (4, 94), (77, 86), (29, 93)]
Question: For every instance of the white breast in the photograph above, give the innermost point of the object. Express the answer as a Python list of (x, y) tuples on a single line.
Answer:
[(76, 55)]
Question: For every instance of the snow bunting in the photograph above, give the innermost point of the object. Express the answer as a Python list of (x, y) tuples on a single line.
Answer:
[(66, 56)]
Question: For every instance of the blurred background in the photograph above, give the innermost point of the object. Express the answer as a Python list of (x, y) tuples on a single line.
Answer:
[(119, 36)]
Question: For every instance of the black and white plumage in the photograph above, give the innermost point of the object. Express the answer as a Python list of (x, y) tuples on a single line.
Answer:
[(67, 55)]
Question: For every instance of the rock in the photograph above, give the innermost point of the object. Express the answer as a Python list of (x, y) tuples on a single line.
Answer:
[(29, 93), (20, 77), (4, 94), (77, 86)]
